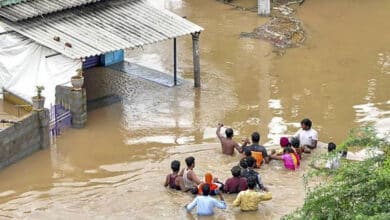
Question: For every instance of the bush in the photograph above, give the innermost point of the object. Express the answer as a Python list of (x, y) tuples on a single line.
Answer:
[(357, 190)]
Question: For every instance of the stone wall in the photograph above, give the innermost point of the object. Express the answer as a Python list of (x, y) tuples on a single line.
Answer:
[(76, 102), (30, 134)]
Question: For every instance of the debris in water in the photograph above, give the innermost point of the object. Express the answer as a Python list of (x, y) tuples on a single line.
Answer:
[(284, 10), (283, 32)]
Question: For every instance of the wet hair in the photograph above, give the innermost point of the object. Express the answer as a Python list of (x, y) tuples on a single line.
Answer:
[(288, 150), (236, 171), (190, 161), (248, 152), (331, 147), (251, 161), (255, 137), (306, 122), (251, 180), (229, 132), (206, 189), (295, 142), (243, 163), (175, 165)]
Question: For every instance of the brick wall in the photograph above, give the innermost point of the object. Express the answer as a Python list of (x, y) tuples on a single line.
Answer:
[(30, 134)]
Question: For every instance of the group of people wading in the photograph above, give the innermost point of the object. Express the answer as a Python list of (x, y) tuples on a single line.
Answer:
[(245, 180)]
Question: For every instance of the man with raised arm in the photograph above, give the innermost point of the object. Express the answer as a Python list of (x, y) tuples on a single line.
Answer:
[(227, 143)]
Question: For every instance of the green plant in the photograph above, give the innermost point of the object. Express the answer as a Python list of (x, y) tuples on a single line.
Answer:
[(357, 190), (39, 91)]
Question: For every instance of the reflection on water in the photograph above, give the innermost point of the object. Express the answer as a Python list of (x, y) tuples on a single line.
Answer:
[(114, 168), (384, 62)]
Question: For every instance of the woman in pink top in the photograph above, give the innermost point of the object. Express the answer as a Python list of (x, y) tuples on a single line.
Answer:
[(290, 159)]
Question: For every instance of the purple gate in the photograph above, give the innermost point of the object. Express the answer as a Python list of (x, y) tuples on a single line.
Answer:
[(60, 118)]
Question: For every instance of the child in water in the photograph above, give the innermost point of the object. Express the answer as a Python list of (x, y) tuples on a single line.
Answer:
[(295, 146), (290, 159), (214, 185), (236, 183), (173, 180), (334, 160)]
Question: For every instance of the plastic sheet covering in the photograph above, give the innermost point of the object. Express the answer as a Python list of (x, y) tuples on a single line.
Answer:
[(24, 65)]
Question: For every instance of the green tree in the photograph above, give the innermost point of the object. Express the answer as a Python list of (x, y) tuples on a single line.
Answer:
[(357, 190)]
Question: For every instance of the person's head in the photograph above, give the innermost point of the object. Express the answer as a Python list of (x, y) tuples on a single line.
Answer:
[(255, 137), (208, 178), (175, 166), (248, 152), (243, 163), (206, 189), (284, 142), (306, 124), (251, 161), (295, 142), (331, 147), (288, 150), (229, 132), (236, 171), (190, 161), (251, 182)]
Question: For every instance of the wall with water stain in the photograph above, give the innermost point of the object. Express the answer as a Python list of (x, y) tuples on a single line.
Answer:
[(28, 135)]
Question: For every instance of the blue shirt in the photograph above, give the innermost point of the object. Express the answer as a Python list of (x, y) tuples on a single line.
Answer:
[(205, 205)]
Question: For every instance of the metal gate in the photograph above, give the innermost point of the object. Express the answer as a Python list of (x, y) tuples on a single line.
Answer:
[(60, 118)]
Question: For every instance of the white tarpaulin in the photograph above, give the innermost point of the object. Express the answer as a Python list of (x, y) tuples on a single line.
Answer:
[(23, 66)]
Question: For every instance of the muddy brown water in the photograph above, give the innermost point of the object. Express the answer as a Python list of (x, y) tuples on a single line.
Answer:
[(114, 168)]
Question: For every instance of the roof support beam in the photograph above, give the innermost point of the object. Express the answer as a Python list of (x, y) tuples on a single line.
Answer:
[(196, 58)]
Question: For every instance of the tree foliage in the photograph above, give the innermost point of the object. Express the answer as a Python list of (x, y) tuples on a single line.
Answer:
[(357, 190)]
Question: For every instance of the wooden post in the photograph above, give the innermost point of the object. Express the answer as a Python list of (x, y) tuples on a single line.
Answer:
[(174, 62), (195, 48)]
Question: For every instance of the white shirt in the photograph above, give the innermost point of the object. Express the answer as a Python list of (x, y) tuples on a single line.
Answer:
[(205, 205), (306, 137)]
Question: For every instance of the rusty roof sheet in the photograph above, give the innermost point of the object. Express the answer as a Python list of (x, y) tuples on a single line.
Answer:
[(104, 27), (34, 8)]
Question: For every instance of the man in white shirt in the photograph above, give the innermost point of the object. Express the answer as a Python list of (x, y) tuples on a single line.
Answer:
[(307, 136)]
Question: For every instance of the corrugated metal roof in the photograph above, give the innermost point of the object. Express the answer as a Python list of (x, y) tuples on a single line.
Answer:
[(34, 8), (104, 27)]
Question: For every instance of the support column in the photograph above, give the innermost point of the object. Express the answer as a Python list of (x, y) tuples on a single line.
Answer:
[(264, 7), (195, 48), (76, 102), (44, 128), (78, 107), (174, 62)]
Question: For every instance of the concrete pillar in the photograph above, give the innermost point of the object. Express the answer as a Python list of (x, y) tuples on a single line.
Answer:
[(78, 107), (44, 127), (76, 102), (264, 7), (195, 48)]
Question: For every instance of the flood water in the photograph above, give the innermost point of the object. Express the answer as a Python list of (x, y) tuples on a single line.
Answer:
[(114, 168)]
